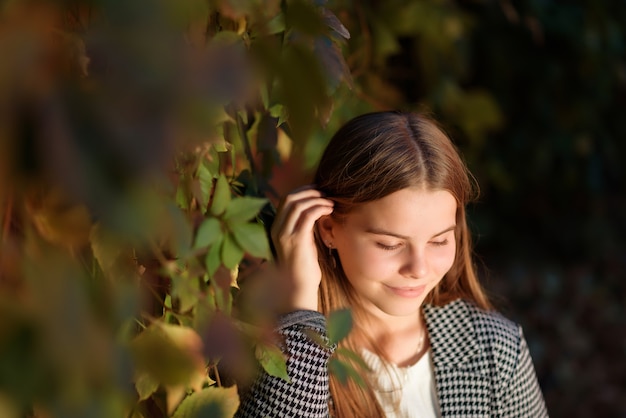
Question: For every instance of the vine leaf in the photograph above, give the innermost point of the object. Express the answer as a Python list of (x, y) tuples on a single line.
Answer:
[(213, 259), (252, 239), (232, 253), (206, 183), (333, 22), (339, 325), (185, 289), (214, 402), (221, 196), (173, 356), (180, 230), (243, 209), (146, 385), (209, 232), (344, 371), (332, 62), (273, 361)]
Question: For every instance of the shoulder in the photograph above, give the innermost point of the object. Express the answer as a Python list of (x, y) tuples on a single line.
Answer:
[(487, 325), (475, 331)]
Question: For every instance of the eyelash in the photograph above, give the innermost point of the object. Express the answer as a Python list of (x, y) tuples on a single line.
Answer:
[(395, 247), (440, 243), (388, 247)]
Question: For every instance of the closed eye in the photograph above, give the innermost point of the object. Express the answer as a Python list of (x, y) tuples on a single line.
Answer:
[(388, 247), (440, 243)]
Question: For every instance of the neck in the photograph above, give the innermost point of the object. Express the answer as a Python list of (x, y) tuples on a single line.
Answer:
[(401, 340)]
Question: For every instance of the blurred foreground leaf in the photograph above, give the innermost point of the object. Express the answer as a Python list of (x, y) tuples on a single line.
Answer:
[(242, 209), (253, 239), (273, 361), (339, 325), (211, 402), (171, 354)]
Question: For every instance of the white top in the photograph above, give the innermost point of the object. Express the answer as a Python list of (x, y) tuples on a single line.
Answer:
[(405, 392)]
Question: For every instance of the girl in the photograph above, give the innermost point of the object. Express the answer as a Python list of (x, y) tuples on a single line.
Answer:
[(383, 232)]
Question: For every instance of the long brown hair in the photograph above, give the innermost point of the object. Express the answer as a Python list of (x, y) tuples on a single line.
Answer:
[(370, 157)]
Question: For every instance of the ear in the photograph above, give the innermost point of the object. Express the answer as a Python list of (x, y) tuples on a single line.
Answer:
[(326, 227)]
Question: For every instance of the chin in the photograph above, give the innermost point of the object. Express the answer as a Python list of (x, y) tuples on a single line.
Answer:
[(403, 309)]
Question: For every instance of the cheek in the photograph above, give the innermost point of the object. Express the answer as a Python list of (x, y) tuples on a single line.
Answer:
[(360, 261), (443, 261)]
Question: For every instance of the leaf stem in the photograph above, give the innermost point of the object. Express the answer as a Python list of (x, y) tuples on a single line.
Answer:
[(7, 218), (6, 225), (217, 375), (246, 144)]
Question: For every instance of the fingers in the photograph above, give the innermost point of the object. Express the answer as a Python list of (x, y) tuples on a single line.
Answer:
[(299, 212), (303, 213), (292, 234), (300, 193)]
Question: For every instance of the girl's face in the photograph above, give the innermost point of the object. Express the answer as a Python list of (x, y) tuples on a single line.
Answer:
[(395, 250)]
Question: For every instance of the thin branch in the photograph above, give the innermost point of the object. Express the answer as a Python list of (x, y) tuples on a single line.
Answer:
[(6, 224), (141, 324), (217, 375), (158, 253), (367, 40), (246, 144), (372, 100)]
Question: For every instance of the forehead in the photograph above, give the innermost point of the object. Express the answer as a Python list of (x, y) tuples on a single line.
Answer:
[(410, 211)]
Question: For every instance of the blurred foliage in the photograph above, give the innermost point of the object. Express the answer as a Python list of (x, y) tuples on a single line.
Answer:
[(143, 143), (139, 139)]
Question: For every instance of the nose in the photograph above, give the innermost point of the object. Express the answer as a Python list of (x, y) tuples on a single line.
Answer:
[(415, 265)]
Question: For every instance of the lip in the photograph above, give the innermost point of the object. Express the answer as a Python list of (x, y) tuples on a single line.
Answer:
[(407, 291)]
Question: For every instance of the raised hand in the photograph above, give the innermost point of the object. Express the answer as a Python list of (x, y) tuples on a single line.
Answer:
[(292, 234)]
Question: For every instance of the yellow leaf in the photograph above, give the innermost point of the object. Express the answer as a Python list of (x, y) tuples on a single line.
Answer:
[(213, 401)]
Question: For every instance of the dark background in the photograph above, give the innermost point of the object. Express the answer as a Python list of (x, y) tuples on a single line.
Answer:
[(545, 84)]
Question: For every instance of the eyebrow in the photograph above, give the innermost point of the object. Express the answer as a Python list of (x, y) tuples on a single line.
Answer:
[(376, 231)]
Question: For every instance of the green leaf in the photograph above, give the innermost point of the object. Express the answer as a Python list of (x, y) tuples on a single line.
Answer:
[(213, 259), (252, 239), (221, 196), (180, 230), (146, 385), (352, 356), (107, 248), (316, 338), (185, 288), (276, 24), (209, 232), (279, 111), (182, 199), (344, 371), (136, 414), (338, 369), (206, 184), (273, 361), (339, 325), (221, 145), (212, 161), (210, 402), (243, 209), (232, 253), (171, 354)]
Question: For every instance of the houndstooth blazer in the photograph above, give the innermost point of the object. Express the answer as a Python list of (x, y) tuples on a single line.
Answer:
[(481, 361)]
